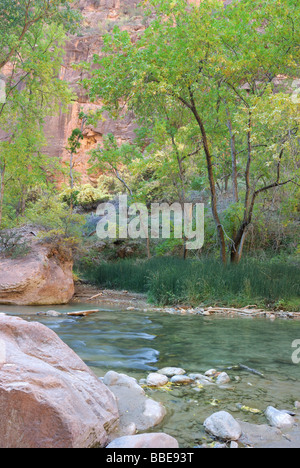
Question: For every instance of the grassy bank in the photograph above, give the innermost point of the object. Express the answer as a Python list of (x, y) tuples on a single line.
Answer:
[(170, 281)]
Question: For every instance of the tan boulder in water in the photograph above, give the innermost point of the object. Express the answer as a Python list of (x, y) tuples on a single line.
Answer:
[(43, 277)]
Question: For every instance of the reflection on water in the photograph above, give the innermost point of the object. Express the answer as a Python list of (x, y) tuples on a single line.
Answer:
[(136, 343)]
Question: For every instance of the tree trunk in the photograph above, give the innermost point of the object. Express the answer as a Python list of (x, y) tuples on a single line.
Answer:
[(212, 184), (239, 239), (71, 182), (2, 187), (237, 248), (233, 159)]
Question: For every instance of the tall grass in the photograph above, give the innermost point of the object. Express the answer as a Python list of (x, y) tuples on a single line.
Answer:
[(169, 281)]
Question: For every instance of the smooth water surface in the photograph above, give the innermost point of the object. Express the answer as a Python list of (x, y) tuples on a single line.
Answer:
[(137, 343)]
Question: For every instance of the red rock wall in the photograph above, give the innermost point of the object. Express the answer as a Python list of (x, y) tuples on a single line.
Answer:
[(98, 17)]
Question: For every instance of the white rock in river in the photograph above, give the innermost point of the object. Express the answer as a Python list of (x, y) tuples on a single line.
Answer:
[(50, 313), (234, 445), (156, 380), (223, 426), (279, 419), (154, 440), (211, 373), (171, 371), (133, 404), (201, 379), (222, 379), (181, 379)]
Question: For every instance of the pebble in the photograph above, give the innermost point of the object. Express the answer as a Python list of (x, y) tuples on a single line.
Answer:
[(156, 380), (181, 379), (206, 313), (277, 418), (201, 379), (211, 373), (171, 371), (222, 379), (234, 445), (50, 313)]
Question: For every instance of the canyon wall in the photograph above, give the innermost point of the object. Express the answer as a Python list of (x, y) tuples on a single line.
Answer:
[(99, 17)]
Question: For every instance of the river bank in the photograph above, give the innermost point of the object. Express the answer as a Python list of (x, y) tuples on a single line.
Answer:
[(88, 293)]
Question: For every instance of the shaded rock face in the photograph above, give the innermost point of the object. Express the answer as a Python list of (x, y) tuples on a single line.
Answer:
[(48, 397), (99, 17), (40, 278)]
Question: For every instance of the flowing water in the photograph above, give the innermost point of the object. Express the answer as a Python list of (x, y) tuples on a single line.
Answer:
[(136, 343)]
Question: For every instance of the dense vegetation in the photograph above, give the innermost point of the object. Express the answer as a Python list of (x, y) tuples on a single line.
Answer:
[(173, 281), (215, 93)]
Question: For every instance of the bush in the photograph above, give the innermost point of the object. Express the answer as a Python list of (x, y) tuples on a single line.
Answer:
[(86, 196), (13, 245)]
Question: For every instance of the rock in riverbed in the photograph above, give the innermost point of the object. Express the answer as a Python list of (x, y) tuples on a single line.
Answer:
[(171, 371), (222, 379), (181, 379), (134, 406), (50, 313), (156, 380), (279, 419), (223, 426), (201, 379), (156, 440)]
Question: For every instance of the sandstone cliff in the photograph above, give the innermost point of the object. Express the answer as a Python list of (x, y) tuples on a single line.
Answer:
[(99, 17)]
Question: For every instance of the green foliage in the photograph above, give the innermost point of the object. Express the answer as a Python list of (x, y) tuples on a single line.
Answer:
[(74, 140), (53, 215), (170, 281), (201, 80), (18, 19), (33, 93), (85, 196), (13, 245)]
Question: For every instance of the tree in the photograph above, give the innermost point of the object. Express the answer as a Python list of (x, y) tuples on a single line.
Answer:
[(74, 145), (17, 20), (205, 58), (122, 162), (34, 91)]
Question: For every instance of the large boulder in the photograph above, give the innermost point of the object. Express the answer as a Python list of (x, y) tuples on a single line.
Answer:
[(42, 277), (48, 397)]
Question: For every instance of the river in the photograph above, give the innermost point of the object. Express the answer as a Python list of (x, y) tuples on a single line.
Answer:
[(136, 343)]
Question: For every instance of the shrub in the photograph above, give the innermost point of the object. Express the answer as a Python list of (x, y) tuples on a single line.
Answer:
[(13, 245)]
